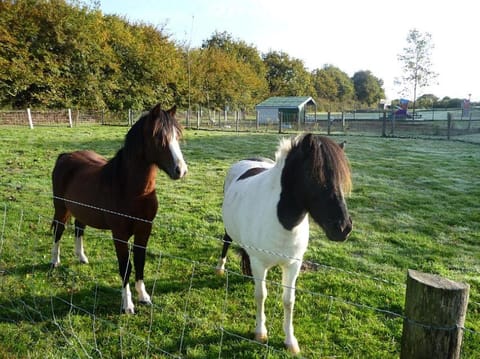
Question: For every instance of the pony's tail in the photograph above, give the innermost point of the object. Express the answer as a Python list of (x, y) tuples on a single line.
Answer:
[(245, 262)]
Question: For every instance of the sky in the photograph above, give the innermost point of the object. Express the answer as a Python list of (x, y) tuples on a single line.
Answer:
[(352, 35)]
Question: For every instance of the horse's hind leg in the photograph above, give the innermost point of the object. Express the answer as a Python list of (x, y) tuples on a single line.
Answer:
[(227, 240), (60, 218), (79, 252)]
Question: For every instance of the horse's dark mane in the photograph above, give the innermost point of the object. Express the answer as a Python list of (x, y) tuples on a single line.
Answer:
[(329, 163), (155, 123)]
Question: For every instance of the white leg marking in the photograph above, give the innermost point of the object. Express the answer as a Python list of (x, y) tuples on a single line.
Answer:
[(79, 250), (127, 304), (259, 275), (177, 155), (220, 269), (143, 296), (56, 254), (289, 277)]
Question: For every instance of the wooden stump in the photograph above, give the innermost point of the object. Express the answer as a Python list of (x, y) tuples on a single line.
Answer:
[(435, 310)]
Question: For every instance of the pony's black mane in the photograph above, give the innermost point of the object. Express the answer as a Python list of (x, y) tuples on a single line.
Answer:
[(329, 163), (155, 123), (328, 167)]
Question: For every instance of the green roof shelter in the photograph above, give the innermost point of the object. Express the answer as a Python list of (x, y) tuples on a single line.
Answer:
[(288, 109)]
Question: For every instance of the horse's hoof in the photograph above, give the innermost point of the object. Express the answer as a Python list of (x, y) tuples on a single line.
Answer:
[(219, 271), (293, 349), (261, 337), (128, 311), (84, 261), (145, 302), (54, 265)]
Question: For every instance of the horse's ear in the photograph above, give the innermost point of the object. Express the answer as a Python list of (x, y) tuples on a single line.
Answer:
[(307, 143), (343, 145), (155, 111), (172, 111)]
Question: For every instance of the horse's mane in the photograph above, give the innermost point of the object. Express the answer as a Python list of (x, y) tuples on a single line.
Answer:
[(328, 163), (155, 123)]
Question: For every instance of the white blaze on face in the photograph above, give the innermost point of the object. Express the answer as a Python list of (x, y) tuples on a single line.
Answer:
[(177, 155)]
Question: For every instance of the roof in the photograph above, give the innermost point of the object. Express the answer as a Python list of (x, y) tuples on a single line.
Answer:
[(287, 102)]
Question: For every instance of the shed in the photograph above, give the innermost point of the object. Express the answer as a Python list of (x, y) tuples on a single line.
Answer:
[(289, 109)]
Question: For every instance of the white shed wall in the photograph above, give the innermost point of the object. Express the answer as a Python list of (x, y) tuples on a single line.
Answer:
[(268, 115)]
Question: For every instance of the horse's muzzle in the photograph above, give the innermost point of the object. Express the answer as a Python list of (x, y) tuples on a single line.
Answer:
[(180, 170), (340, 232)]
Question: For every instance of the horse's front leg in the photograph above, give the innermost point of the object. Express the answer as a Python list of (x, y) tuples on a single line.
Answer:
[(125, 269), (259, 273), (139, 254), (289, 278)]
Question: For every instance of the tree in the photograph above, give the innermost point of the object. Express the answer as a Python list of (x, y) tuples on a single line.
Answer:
[(332, 84), (287, 76), (368, 88), (416, 63)]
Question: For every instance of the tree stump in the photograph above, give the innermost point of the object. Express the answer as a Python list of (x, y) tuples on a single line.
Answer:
[(435, 310)]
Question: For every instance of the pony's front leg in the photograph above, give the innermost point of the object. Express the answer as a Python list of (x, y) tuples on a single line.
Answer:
[(125, 268), (289, 278), (139, 254), (259, 273)]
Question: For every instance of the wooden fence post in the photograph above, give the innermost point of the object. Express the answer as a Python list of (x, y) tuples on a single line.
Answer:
[(70, 122), (29, 115), (449, 124), (435, 310)]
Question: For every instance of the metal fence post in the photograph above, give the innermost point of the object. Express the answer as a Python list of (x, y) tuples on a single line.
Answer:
[(329, 122), (449, 124)]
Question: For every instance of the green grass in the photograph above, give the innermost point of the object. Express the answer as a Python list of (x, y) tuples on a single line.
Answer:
[(415, 204)]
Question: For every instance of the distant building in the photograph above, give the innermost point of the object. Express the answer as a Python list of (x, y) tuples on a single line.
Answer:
[(288, 109)]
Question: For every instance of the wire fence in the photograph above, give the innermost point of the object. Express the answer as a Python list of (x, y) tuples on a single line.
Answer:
[(68, 301), (452, 124)]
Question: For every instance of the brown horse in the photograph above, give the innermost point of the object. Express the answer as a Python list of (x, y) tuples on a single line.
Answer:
[(119, 194)]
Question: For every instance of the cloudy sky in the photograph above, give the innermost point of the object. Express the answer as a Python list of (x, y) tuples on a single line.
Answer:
[(350, 34)]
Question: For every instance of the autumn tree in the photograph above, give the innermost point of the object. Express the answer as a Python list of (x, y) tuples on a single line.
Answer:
[(368, 88), (417, 64), (227, 72), (332, 84), (287, 76)]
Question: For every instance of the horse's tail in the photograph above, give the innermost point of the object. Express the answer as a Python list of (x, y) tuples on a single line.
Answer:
[(245, 262)]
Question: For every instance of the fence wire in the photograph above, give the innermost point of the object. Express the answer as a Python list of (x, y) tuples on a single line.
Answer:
[(66, 304)]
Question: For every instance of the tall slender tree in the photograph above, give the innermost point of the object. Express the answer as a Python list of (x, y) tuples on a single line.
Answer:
[(416, 63)]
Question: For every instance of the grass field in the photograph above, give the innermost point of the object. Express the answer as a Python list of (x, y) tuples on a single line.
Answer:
[(415, 204)]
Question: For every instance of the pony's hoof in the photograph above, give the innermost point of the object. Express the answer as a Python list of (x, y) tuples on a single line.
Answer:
[(261, 337), (128, 311), (54, 265), (293, 348), (84, 260), (145, 302), (219, 271)]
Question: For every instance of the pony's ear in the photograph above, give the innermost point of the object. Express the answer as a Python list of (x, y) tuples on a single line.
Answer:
[(172, 111), (343, 145), (155, 111), (307, 143)]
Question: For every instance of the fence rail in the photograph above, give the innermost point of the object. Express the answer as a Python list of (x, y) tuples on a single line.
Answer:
[(435, 124)]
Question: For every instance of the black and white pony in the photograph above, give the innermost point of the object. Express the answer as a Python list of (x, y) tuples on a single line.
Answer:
[(266, 210)]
